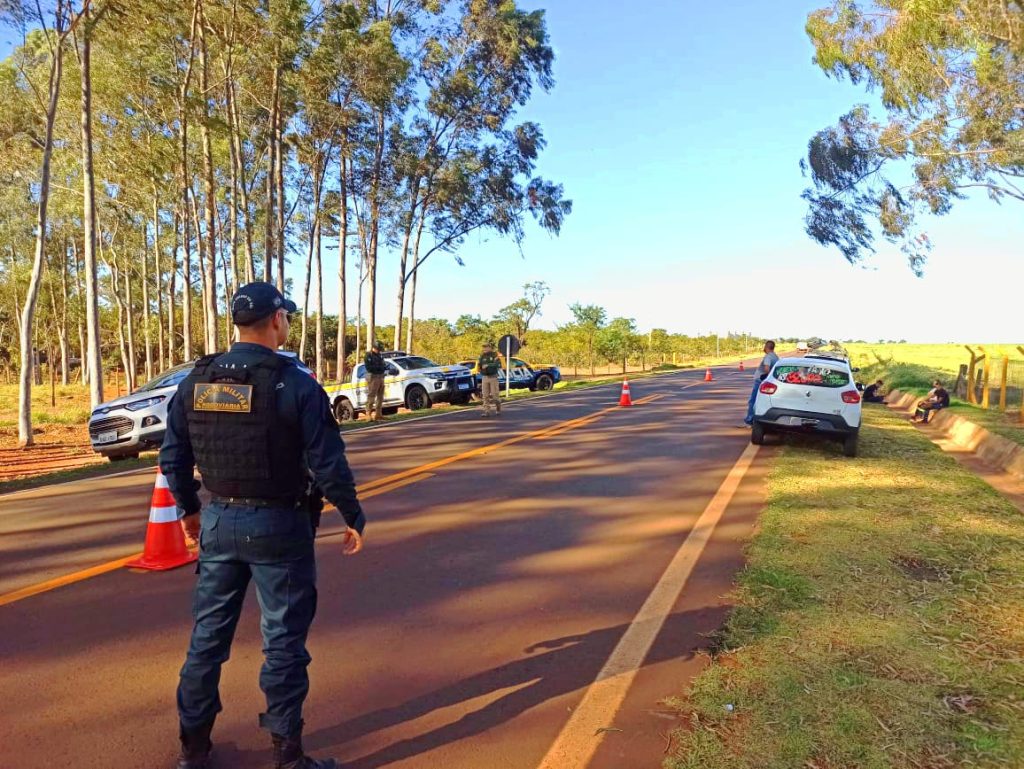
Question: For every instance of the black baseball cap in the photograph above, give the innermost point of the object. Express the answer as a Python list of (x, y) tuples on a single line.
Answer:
[(255, 301)]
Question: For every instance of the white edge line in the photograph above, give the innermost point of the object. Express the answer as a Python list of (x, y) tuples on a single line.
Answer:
[(80, 480), (580, 737)]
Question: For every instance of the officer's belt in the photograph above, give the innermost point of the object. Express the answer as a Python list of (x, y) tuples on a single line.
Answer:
[(285, 503)]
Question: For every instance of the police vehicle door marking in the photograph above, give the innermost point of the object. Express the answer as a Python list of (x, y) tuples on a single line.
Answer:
[(223, 397)]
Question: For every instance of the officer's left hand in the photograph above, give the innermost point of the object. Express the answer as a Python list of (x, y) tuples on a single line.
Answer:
[(190, 526), (352, 542)]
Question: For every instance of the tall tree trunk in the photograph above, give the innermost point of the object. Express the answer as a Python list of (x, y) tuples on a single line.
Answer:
[(303, 336), (342, 257), (115, 291), (201, 255), (93, 362), (172, 281), (319, 297), (404, 259), (186, 283), (186, 186), (83, 367), (375, 206), (279, 180), (204, 275), (147, 339), (229, 290), (83, 371), (130, 373), (410, 333), (159, 281), (239, 186), (268, 235), (28, 311), (208, 191), (65, 347)]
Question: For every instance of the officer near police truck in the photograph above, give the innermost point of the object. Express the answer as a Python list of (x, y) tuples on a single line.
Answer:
[(268, 448)]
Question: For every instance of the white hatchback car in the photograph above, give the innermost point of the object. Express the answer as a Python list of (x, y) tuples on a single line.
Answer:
[(121, 428), (814, 394)]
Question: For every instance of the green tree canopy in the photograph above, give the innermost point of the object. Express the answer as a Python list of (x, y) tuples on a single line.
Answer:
[(950, 76)]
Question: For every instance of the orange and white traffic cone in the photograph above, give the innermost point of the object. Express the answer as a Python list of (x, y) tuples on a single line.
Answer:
[(625, 399), (165, 541), (708, 377)]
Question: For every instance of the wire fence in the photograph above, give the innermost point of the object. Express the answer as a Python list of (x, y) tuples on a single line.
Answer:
[(993, 382)]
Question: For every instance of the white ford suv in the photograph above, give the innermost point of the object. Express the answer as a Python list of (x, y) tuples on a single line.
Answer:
[(121, 428), (814, 394)]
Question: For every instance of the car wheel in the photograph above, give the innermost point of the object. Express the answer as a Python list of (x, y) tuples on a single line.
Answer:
[(460, 400), (344, 411), (545, 382), (389, 411), (757, 434), (123, 456), (850, 445), (416, 398)]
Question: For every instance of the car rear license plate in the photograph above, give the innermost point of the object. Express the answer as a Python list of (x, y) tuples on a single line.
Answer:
[(107, 437), (463, 385), (808, 422)]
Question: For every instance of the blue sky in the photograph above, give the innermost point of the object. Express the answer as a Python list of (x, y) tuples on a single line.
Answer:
[(677, 129)]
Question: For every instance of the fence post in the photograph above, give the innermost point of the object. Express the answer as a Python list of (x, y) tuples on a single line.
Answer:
[(1021, 351), (1002, 385), (984, 386), (972, 396)]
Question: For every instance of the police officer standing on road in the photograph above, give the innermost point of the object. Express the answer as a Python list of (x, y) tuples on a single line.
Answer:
[(376, 368), (489, 365), (259, 429)]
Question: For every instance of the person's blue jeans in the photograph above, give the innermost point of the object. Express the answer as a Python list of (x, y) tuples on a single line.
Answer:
[(750, 402), (273, 548)]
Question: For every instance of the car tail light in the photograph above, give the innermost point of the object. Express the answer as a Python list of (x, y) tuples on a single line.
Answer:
[(851, 396), (768, 388)]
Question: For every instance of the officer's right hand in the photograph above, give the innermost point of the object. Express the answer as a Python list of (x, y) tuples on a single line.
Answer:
[(352, 542)]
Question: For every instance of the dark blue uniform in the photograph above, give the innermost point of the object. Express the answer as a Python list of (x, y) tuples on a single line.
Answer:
[(270, 544)]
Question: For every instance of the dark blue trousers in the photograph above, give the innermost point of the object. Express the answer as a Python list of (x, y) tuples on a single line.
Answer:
[(274, 549), (750, 401)]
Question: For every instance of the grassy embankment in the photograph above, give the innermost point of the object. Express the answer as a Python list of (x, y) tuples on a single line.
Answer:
[(879, 620), (912, 368)]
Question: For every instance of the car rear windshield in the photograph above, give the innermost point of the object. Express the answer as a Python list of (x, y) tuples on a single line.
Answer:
[(816, 374)]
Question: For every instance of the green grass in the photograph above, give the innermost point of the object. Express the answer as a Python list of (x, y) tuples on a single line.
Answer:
[(878, 620), (78, 473)]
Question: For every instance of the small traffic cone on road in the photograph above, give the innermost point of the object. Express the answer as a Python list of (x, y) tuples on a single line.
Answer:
[(165, 541), (741, 366), (708, 377), (625, 399)]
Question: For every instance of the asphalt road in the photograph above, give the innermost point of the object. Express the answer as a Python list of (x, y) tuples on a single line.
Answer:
[(506, 560)]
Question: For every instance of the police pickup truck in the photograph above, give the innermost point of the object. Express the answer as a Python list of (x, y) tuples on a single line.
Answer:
[(411, 381)]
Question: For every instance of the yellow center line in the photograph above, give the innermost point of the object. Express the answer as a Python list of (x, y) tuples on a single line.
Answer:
[(67, 579), (365, 491)]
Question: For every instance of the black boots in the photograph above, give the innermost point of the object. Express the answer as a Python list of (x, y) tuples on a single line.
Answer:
[(288, 754), (195, 747)]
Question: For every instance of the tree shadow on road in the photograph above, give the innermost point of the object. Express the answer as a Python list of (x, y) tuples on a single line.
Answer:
[(550, 669)]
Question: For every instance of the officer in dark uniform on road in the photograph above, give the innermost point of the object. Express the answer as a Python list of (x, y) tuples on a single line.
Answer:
[(376, 368), (260, 430)]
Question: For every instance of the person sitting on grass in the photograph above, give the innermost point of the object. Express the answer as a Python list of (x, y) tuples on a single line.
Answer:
[(937, 399), (872, 394)]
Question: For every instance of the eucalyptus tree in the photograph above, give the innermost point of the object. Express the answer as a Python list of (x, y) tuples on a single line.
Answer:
[(950, 77)]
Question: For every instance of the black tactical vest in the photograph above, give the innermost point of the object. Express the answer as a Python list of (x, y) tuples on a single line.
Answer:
[(242, 446)]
